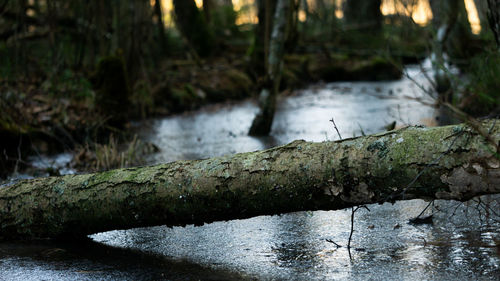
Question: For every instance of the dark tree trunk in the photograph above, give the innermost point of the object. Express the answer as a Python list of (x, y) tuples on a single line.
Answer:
[(208, 6), (192, 24), (494, 19), (363, 14), (266, 9), (482, 13), (161, 27), (292, 36)]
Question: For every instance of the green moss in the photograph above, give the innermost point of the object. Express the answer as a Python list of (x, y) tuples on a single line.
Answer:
[(228, 84), (183, 98), (376, 68), (59, 188), (342, 68)]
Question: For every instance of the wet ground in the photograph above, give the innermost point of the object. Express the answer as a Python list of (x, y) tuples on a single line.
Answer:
[(461, 242)]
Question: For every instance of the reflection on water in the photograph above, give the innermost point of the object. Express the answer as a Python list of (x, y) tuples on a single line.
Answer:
[(462, 242), (295, 247)]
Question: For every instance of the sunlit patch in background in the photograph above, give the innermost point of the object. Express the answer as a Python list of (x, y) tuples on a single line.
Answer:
[(473, 17), (420, 11)]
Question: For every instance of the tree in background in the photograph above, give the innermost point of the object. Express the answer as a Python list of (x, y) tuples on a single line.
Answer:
[(363, 14), (482, 13), (260, 47), (192, 24), (267, 101), (158, 11), (494, 19), (452, 36), (221, 19)]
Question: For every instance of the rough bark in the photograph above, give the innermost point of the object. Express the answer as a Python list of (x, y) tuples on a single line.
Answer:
[(450, 162), (263, 121)]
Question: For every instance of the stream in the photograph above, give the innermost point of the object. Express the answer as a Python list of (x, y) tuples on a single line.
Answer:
[(462, 242)]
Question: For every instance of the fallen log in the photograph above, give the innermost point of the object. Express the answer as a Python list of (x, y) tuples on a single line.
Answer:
[(452, 162)]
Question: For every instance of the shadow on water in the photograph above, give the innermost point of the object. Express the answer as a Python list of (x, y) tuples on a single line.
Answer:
[(89, 260)]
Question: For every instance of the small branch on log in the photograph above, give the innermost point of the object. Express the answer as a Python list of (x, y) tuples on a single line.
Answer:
[(335, 126)]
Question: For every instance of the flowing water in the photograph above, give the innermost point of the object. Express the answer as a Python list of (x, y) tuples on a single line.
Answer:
[(462, 242)]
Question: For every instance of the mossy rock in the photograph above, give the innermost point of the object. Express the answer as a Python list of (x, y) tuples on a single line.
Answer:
[(182, 98), (290, 80), (354, 69), (297, 62), (376, 69), (112, 90), (296, 71)]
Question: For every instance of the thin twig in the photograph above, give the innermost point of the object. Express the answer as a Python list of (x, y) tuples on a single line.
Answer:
[(353, 211), (333, 242), (464, 117), (335, 126), (421, 213)]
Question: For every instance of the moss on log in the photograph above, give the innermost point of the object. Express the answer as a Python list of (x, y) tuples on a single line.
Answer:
[(450, 162)]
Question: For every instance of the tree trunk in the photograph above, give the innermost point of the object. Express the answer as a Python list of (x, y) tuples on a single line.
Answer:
[(193, 26), (265, 13), (292, 36), (494, 20), (450, 162), (451, 16), (161, 27), (363, 14), (263, 121), (441, 26), (482, 13), (207, 10)]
